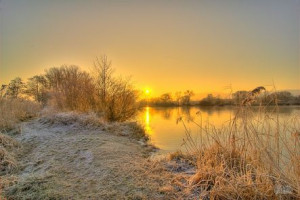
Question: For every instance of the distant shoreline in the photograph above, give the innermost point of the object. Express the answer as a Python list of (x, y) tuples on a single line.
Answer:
[(211, 106)]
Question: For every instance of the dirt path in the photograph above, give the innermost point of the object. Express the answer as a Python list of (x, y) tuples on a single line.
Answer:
[(64, 159)]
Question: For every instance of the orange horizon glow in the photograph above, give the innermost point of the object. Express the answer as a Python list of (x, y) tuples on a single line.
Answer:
[(204, 46)]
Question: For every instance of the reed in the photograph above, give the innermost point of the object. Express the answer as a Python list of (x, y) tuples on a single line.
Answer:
[(250, 157)]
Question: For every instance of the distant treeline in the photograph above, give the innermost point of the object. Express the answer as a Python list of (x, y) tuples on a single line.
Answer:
[(69, 88), (237, 98), (167, 99)]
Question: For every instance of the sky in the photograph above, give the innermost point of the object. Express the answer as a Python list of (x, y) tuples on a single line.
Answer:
[(165, 46)]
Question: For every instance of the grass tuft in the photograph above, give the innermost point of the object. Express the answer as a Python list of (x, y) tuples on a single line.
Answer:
[(33, 188), (137, 131), (7, 158), (226, 174)]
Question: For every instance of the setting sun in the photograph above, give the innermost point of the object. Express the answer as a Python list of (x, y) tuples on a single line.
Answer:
[(147, 92)]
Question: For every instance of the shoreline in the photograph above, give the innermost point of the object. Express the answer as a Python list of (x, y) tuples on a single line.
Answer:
[(218, 106)]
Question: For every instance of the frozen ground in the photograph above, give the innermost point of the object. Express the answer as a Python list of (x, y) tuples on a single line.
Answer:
[(77, 157)]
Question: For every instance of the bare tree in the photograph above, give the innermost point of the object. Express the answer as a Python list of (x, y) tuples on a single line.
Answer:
[(103, 71), (116, 97)]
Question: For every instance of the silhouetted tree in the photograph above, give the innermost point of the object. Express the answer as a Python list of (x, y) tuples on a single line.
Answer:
[(15, 88), (166, 98), (208, 101), (36, 87), (186, 99), (178, 96), (239, 96), (283, 97), (3, 90)]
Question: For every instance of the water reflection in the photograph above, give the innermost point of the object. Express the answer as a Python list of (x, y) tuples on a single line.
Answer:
[(186, 112), (147, 121), (160, 123)]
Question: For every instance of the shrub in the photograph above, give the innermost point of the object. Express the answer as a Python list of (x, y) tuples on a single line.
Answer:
[(70, 88), (116, 97), (15, 110), (120, 102)]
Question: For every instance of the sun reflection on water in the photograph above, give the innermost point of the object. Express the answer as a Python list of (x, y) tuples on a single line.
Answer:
[(147, 121)]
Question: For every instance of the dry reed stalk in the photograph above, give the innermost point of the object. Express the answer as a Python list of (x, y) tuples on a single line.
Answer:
[(260, 159)]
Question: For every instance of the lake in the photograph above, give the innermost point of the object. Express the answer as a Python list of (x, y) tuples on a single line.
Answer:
[(166, 134)]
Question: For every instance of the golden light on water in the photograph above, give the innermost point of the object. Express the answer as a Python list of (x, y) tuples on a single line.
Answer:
[(147, 121)]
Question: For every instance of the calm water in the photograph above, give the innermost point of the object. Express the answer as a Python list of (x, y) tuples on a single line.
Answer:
[(161, 123)]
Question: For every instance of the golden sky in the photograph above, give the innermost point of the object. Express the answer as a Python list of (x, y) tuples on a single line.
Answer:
[(164, 45)]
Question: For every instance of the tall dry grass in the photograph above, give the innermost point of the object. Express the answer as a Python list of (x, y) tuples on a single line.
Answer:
[(252, 156), (12, 111), (7, 157)]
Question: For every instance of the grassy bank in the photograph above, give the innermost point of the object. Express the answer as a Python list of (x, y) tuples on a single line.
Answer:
[(79, 156), (35, 159)]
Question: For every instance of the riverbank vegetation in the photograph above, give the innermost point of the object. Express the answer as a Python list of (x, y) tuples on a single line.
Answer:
[(251, 157), (68, 88), (267, 98)]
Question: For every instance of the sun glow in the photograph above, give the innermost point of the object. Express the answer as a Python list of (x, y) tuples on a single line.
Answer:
[(147, 92)]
